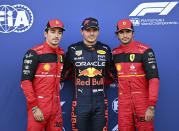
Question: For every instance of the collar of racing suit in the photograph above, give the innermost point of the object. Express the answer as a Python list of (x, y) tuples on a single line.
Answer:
[(50, 48), (128, 46), (91, 48)]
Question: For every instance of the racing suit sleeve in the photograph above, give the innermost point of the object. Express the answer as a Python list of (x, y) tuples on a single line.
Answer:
[(151, 70), (67, 67), (111, 73), (30, 63)]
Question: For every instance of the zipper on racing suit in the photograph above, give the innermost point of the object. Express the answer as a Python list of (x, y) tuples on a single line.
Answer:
[(133, 106), (56, 85), (139, 119)]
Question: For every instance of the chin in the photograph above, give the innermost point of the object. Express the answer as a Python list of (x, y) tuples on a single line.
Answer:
[(92, 41), (126, 42), (55, 44)]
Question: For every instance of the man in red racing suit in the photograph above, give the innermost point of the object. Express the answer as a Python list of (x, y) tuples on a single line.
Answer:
[(42, 66), (138, 81)]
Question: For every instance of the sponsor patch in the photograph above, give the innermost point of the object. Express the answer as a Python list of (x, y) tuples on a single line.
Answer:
[(78, 52), (102, 52)]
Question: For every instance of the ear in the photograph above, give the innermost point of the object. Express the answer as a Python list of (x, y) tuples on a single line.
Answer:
[(98, 32), (45, 34), (82, 32)]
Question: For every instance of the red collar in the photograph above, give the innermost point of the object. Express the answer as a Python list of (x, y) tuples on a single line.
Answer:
[(128, 46), (50, 48)]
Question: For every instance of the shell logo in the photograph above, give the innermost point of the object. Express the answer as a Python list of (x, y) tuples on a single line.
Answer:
[(102, 52), (46, 67), (118, 67)]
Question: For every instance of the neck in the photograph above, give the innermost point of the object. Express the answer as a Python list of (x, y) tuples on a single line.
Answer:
[(89, 43), (52, 45), (125, 44)]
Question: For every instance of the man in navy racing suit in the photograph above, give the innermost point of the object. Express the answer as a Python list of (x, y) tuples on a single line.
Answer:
[(89, 62)]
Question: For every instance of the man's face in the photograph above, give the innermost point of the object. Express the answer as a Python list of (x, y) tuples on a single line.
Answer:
[(90, 35), (53, 36), (125, 36)]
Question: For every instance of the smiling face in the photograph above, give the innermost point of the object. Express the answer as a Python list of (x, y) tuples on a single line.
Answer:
[(125, 36), (90, 35), (53, 36)]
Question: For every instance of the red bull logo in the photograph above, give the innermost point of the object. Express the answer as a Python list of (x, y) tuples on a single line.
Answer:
[(90, 72), (90, 81), (73, 116)]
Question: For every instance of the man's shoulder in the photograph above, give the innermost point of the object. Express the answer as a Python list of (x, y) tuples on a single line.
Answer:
[(75, 46), (103, 46), (34, 51), (61, 51), (141, 45), (37, 48), (116, 50)]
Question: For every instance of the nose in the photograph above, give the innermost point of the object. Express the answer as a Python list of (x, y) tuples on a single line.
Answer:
[(125, 34), (57, 34), (91, 32)]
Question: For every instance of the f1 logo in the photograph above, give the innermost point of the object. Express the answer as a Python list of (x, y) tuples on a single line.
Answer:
[(154, 7)]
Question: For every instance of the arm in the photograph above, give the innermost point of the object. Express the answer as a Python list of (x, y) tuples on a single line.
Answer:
[(30, 63), (67, 67), (151, 70), (111, 73)]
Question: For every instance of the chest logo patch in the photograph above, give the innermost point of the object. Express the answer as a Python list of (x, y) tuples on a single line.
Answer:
[(132, 57), (102, 52), (118, 67), (78, 52), (61, 58), (46, 67), (90, 72)]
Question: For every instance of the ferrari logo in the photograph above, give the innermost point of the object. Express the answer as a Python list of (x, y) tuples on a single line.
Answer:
[(132, 57), (61, 58), (57, 22), (124, 23)]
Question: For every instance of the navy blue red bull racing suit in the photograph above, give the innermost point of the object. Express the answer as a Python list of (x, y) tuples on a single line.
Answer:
[(42, 66), (138, 83), (89, 66)]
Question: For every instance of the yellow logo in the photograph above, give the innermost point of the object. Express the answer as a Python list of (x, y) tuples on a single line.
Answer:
[(118, 67), (46, 67), (57, 22), (61, 58), (124, 23), (132, 57), (102, 52)]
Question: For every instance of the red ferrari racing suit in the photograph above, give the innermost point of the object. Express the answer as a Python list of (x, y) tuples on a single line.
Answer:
[(138, 85), (42, 66)]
